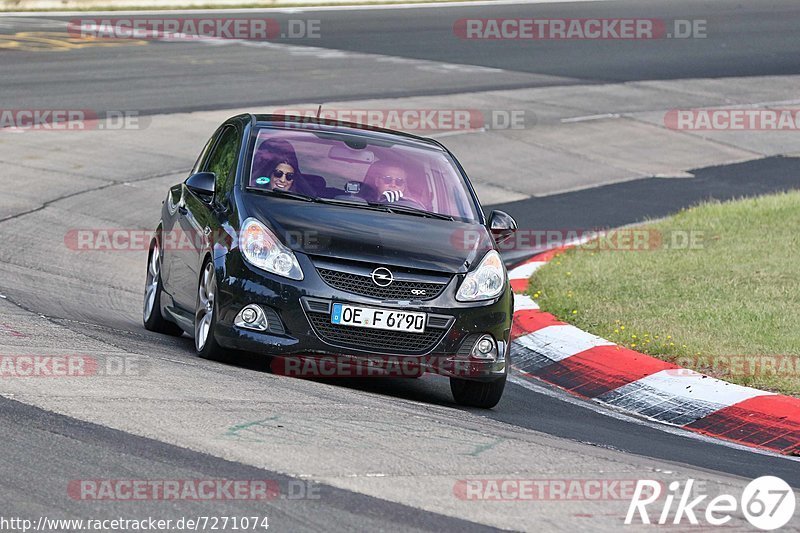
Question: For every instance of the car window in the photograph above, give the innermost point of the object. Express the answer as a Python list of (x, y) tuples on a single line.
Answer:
[(222, 161), (203, 154), (354, 167)]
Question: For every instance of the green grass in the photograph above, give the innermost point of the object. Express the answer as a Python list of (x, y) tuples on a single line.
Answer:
[(736, 293)]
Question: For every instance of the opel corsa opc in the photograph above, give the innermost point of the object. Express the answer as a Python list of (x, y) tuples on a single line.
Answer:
[(308, 238)]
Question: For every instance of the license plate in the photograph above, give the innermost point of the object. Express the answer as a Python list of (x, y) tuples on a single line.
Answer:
[(367, 317)]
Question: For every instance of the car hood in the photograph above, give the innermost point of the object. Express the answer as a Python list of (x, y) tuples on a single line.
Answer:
[(357, 234)]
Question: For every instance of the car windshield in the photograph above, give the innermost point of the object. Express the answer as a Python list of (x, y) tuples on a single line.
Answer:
[(360, 170)]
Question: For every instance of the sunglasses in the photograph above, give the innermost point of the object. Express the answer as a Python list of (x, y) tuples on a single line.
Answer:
[(387, 180), (279, 174)]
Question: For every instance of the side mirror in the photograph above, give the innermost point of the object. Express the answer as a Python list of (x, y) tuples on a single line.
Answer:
[(502, 226), (202, 184)]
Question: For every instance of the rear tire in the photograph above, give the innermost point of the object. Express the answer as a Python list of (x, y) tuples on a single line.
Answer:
[(483, 394), (205, 316), (151, 313)]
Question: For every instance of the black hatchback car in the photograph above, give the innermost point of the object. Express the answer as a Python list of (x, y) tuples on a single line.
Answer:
[(307, 238)]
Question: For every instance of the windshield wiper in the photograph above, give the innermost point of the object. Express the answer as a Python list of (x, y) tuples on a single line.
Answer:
[(348, 203), (307, 198), (406, 210), (388, 208), (285, 194)]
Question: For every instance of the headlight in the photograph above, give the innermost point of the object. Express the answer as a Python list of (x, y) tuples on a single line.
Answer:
[(485, 282), (261, 248)]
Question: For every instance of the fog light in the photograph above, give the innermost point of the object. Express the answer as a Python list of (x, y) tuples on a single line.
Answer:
[(251, 317), (485, 348)]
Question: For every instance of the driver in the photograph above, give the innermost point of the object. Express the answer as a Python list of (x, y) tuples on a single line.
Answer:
[(388, 180)]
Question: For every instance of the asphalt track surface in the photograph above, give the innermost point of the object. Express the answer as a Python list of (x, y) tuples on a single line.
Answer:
[(44, 448), (619, 204), (744, 39), (74, 444)]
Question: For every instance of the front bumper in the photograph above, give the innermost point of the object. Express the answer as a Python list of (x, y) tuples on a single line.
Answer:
[(303, 309)]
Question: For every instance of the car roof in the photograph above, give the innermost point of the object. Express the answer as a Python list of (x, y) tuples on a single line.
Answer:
[(338, 126)]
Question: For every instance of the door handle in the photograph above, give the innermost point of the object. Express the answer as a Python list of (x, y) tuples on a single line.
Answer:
[(182, 210)]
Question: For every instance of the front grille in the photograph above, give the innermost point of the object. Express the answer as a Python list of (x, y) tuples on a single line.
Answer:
[(372, 339), (363, 285)]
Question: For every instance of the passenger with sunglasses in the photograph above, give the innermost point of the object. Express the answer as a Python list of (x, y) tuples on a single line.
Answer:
[(275, 166), (282, 176)]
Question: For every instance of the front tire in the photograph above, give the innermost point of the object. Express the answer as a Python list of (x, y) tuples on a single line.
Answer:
[(483, 394), (205, 316), (151, 313)]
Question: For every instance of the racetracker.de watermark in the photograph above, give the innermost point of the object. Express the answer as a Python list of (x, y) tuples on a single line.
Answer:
[(192, 489), (741, 366), (590, 240), (72, 366), (391, 366), (60, 120), (179, 28), (137, 240), (511, 489), (733, 119), (579, 29), (415, 119)]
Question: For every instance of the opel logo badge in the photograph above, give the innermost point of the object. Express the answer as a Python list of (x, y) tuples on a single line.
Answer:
[(382, 277)]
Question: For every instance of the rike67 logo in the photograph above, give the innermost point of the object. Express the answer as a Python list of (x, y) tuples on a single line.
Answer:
[(767, 503)]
